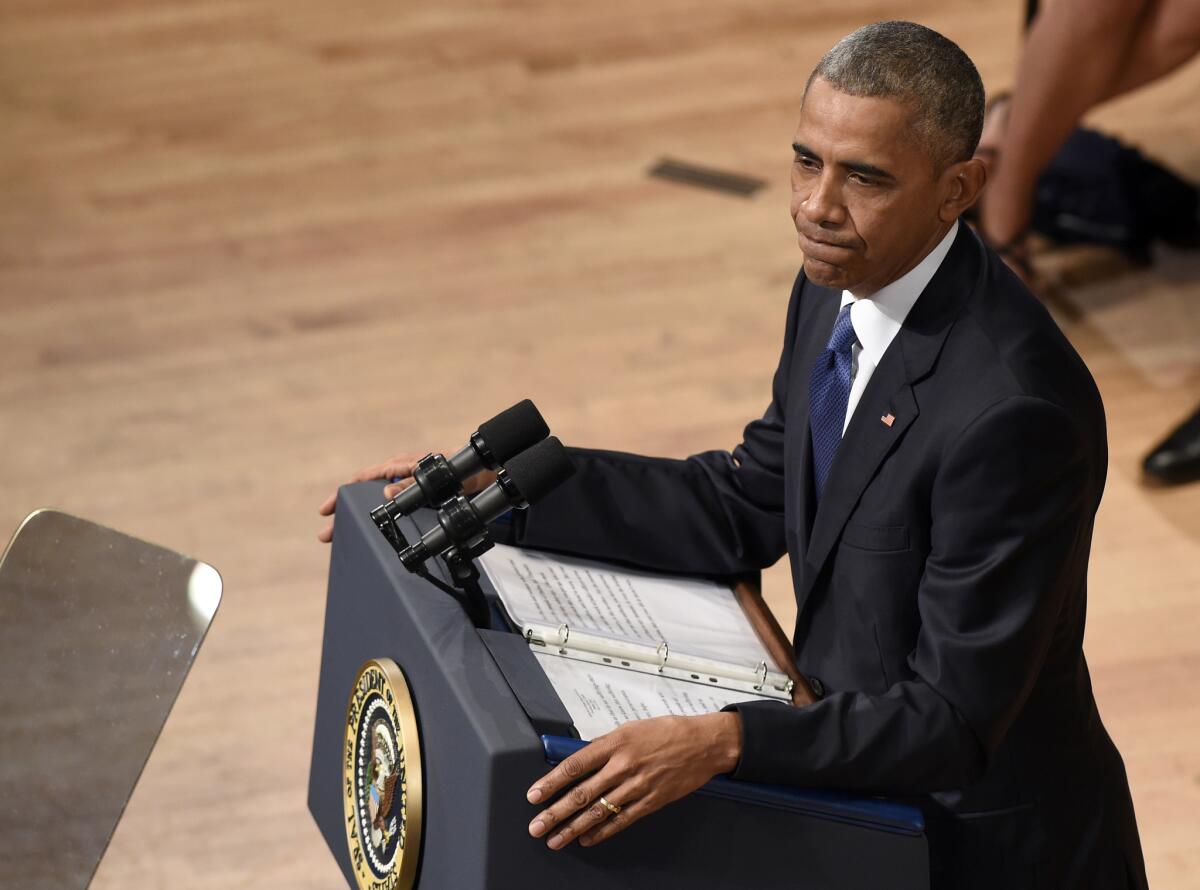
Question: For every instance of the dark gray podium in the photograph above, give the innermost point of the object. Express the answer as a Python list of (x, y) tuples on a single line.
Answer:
[(490, 723)]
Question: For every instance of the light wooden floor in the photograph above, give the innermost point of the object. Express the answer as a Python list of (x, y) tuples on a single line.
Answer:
[(247, 246)]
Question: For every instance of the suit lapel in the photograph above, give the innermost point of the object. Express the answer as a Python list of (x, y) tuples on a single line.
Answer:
[(867, 442), (869, 439)]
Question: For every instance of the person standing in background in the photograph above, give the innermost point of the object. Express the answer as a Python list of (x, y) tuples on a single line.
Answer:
[(1078, 55)]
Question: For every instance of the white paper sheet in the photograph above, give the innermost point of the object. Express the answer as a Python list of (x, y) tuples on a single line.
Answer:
[(601, 698), (699, 617)]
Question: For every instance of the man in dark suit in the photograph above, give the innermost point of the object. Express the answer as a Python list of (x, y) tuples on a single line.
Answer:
[(931, 461)]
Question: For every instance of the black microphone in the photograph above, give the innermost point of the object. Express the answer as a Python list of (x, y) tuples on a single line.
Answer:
[(462, 524), (437, 480)]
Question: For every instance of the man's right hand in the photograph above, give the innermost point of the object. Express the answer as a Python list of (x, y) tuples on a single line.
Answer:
[(400, 468)]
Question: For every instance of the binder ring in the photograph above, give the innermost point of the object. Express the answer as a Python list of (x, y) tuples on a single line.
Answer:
[(564, 631), (663, 651), (762, 676)]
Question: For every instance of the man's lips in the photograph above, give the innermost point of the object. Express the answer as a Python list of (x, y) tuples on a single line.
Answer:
[(833, 255), (822, 243)]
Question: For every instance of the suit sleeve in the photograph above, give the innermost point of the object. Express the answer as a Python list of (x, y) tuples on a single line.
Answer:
[(715, 513), (1012, 508)]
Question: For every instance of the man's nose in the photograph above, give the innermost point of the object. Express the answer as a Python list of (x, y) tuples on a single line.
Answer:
[(823, 207)]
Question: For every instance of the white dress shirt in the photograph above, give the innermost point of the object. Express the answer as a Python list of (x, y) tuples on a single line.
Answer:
[(877, 318)]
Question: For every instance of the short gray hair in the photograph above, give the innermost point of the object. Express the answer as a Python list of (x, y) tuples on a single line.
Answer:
[(919, 67)]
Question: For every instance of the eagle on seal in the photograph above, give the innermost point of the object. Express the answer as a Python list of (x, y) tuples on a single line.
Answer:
[(383, 778), (386, 801)]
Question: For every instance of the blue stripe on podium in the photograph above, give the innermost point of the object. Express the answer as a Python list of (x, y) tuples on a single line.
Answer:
[(867, 812)]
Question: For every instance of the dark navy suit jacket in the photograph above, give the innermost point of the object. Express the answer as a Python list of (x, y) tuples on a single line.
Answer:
[(940, 583)]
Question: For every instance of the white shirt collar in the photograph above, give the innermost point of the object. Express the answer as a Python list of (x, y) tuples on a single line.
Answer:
[(878, 318)]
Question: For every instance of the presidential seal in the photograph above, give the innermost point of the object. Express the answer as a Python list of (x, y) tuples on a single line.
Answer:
[(382, 779)]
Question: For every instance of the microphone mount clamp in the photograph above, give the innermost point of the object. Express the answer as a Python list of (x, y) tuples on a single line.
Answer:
[(470, 542)]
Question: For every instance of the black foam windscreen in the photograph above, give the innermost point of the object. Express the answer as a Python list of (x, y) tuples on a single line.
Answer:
[(538, 470), (513, 430)]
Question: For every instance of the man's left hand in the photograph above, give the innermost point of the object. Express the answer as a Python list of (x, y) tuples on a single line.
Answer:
[(639, 767)]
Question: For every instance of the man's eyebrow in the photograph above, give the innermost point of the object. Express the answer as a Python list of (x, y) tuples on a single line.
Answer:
[(854, 166), (868, 170)]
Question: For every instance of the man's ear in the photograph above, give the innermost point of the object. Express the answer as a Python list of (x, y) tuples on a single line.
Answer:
[(962, 185)]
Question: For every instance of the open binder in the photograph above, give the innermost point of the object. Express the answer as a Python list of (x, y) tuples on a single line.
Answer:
[(684, 645)]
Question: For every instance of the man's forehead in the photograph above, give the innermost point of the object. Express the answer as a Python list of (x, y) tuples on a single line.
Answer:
[(839, 120)]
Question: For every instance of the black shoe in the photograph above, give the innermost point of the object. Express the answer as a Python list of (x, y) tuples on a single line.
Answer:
[(1177, 458)]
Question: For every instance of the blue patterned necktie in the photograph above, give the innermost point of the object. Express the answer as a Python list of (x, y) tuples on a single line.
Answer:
[(828, 393)]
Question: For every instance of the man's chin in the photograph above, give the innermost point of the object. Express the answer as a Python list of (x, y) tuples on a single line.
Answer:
[(824, 274)]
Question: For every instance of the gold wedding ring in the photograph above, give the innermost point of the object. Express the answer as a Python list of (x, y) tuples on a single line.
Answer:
[(612, 808)]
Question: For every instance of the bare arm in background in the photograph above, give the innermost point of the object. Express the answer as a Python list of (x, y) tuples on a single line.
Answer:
[(1079, 54)]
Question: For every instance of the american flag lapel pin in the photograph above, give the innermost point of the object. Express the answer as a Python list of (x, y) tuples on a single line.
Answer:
[(888, 419)]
